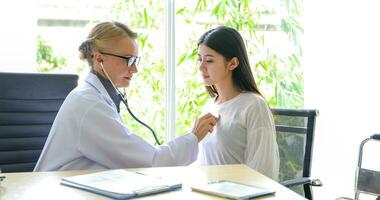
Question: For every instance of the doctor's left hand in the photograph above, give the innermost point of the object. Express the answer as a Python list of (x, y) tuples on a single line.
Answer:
[(203, 125)]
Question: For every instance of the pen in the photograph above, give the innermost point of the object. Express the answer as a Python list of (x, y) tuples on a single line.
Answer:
[(140, 173), (148, 175)]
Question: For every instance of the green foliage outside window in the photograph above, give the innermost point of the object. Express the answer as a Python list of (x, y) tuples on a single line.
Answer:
[(46, 59)]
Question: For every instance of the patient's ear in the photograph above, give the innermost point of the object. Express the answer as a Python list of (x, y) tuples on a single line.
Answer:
[(234, 62)]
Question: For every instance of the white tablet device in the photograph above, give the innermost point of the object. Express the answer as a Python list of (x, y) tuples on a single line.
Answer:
[(232, 190)]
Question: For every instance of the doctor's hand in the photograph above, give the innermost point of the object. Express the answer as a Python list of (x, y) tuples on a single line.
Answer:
[(203, 125)]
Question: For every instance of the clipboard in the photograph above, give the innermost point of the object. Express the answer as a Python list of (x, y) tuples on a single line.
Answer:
[(121, 184), (232, 190)]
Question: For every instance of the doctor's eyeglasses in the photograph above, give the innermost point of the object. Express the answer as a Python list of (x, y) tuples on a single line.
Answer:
[(130, 60)]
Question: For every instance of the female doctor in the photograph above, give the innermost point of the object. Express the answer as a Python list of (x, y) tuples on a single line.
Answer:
[(88, 132)]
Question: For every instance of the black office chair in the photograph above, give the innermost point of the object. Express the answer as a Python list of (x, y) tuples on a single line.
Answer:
[(29, 103), (295, 134)]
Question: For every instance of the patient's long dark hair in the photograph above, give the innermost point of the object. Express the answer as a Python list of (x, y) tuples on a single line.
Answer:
[(229, 43)]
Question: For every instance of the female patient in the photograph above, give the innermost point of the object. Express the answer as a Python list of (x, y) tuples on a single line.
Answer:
[(245, 132)]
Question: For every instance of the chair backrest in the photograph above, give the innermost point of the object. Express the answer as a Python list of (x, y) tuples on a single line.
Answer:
[(295, 135), (29, 103)]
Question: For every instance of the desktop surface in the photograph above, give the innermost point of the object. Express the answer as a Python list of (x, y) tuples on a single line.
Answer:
[(46, 185)]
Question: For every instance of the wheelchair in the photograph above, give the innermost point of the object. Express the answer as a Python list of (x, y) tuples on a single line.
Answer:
[(366, 180)]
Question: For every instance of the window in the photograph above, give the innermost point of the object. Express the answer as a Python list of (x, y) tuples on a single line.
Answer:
[(271, 30)]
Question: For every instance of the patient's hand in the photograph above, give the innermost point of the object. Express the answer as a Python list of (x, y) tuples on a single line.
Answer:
[(203, 125)]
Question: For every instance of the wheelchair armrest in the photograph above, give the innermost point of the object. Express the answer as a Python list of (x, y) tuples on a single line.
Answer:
[(301, 181)]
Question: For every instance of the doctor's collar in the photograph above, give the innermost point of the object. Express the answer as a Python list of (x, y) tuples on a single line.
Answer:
[(110, 90)]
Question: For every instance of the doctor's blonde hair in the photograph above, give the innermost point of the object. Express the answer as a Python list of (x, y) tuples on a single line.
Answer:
[(102, 37)]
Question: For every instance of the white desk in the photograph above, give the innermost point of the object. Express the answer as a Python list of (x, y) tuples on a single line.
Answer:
[(46, 185)]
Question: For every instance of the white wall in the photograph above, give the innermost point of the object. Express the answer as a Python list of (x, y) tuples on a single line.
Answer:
[(18, 26), (342, 80)]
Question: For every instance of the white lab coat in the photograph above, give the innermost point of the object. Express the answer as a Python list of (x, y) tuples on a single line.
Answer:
[(88, 133)]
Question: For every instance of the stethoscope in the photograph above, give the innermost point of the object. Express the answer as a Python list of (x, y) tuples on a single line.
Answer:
[(125, 101)]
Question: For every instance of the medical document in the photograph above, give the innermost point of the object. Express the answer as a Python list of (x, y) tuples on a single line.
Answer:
[(121, 184), (232, 190)]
